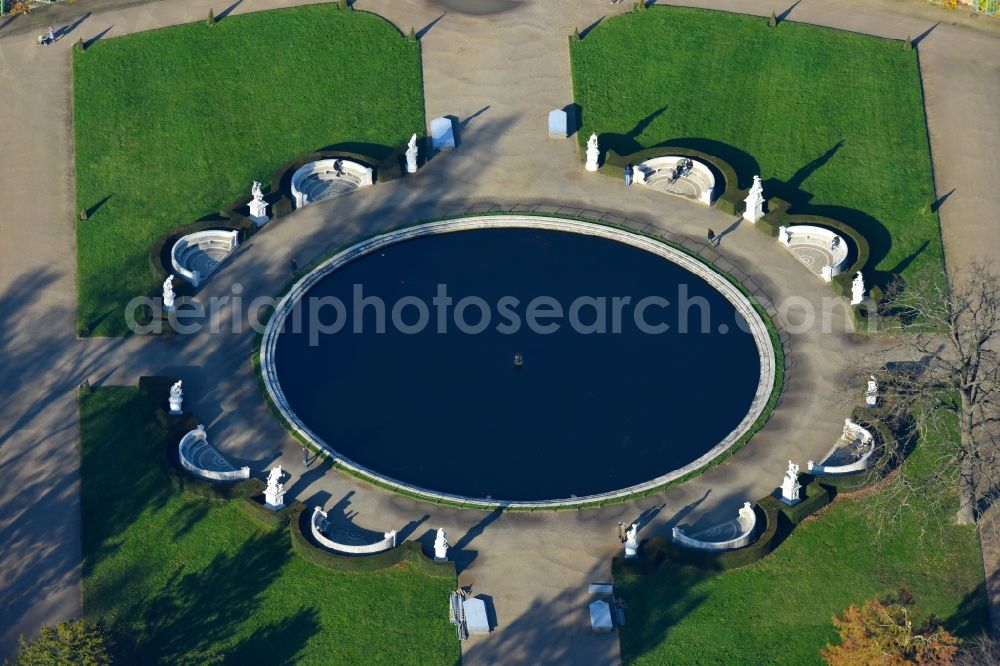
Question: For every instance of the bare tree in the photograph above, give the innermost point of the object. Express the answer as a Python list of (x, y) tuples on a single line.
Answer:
[(945, 366)]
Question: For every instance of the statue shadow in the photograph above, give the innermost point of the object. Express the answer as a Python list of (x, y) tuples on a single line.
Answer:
[(628, 143), (801, 203), (411, 527)]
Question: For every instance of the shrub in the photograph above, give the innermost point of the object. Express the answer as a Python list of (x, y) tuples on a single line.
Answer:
[(409, 552), (282, 207), (814, 497), (69, 642), (772, 526)]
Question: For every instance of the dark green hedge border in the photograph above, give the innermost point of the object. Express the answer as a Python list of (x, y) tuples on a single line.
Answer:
[(730, 200), (249, 494), (235, 216), (778, 518), (409, 552), (772, 402)]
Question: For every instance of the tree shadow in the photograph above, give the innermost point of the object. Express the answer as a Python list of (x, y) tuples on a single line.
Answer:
[(194, 612), (67, 29), (973, 613), (936, 206), (586, 31), (228, 10), (86, 45), (427, 28), (97, 206), (279, 643), (783, 15), (922, 36)]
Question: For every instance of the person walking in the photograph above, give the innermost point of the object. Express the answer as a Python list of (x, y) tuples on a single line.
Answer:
[(50, 36), (621, 531), (713, 240), (295, 266), (628, 175)]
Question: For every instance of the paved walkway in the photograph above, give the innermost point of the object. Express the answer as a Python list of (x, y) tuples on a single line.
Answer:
[(534, 566)]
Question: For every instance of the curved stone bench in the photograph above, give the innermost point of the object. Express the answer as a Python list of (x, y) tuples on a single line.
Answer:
[(319, 525), (852, 453), (822, 251), (697, 184), (195, 256), (727, 536), (318, 180), (204, 460)]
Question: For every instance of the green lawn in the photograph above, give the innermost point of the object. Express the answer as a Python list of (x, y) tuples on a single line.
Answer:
[(778, 610), (186, 580), (173, 124), (833, 121)]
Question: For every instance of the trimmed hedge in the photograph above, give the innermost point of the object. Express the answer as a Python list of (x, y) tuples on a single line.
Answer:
[(159, 254), (777, 518), (882, 465), (409, 552), (655, 551), (729, 199), (176, 426), (249, 495), (814, 497)]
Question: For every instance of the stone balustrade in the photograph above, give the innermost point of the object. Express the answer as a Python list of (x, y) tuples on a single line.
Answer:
[(203, 460), (698, 183), (319, 525), (727, 536), (852, 453), (319, 180), (195, 256), (821, 250)]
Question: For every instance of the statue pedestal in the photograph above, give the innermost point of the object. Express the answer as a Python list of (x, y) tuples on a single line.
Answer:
[(258, 212), (274, 500), (754, 210), (175, 407), (631, 551), (442, 556), (411, 163)]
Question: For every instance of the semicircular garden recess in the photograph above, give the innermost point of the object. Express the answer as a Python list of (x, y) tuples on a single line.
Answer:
[(518, 360)]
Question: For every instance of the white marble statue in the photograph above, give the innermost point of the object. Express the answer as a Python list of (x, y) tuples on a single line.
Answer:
[(858, 289), (632, 540), (257, 205), (593, 153), (755, 202), (790, 486), (411, 155), (274, 495), (784, 235), (871, 395), (168, 294), (441, 546), (176, 398)]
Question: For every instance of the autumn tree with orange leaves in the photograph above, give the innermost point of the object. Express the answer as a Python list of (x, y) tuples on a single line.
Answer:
[(882, 632)]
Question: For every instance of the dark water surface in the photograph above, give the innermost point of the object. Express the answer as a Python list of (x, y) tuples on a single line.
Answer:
[(583, 414)]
